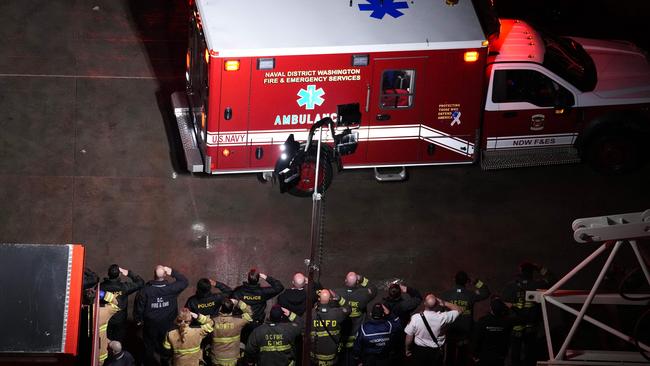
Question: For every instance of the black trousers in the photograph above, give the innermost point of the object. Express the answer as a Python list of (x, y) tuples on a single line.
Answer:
[(457, 352), (427, 356), (497, 361), (523, 348), (153, 336), (377, 360)]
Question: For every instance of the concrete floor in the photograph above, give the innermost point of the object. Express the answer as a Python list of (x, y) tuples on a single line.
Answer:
[(87, 156)]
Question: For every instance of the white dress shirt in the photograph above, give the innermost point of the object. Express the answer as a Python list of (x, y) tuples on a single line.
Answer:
[(437, 321)]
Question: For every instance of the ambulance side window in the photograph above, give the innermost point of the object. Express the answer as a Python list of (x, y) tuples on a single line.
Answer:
[(513, 86), (397, 89)]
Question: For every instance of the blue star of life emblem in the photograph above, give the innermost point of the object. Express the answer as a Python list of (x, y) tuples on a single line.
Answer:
[(310, 97), (380, 8)]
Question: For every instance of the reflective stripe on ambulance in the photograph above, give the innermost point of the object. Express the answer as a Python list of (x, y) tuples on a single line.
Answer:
[(369, 134), (528, 141)]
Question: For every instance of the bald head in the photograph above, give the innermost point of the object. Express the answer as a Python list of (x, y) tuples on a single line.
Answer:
[(324, 296), (299, 280), (430, 302), (115, 347), (351, 279), (159, 272)]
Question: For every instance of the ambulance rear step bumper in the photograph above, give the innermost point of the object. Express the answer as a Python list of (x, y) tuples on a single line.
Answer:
[(193, 157), (519, 158), (397, 174)]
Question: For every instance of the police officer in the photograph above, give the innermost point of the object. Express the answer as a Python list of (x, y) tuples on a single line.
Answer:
[(122, 289), (256, 297), (156, 307), (527, 313), (375, 343), (226, 336), (272, 343), (327, 318), (358, 292), (460, 331), (492, 336), (206, 302)]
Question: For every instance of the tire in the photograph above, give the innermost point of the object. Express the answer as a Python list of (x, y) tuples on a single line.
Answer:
[(615, 152), (305, 187)]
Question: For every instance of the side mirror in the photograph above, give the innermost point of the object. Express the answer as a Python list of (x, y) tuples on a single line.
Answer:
[(563, 100), (346, 142)]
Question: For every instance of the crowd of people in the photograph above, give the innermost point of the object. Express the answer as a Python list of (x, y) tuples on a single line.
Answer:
[(350, 325)]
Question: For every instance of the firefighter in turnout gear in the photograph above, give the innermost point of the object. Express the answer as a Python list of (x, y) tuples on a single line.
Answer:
[(156, 308), (375, 343), (122, 289), (185, 341), (256, 297), (527, 313), (273, 343), (460, 331), (227, 333), (358, 293), (328, 317), (107, 309)]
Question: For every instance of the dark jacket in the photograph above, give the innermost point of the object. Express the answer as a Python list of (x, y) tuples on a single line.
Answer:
[(256, 296), (208, 304), (527, 312), (156, 304), (403, 306), (122, 289), (124, 358), (295, 300), (376, 338), (272, 344), (491, 338), (467, 298)]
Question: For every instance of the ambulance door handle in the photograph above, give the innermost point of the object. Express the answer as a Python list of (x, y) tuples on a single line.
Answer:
[(383, 117), (510, 114)]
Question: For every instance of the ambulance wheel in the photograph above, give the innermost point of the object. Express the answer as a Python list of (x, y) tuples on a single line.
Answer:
[(305, 187), (615, 152)]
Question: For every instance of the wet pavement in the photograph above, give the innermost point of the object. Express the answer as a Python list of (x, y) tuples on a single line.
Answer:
[(87, 156)]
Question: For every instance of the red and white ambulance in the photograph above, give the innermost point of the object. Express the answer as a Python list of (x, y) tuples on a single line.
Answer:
[(432, 87)]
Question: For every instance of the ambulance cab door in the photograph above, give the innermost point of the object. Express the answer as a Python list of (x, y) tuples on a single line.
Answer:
[(394, 113), (528, 107)]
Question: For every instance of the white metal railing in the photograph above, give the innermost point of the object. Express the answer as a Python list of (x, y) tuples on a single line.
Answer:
[(616, 231)]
